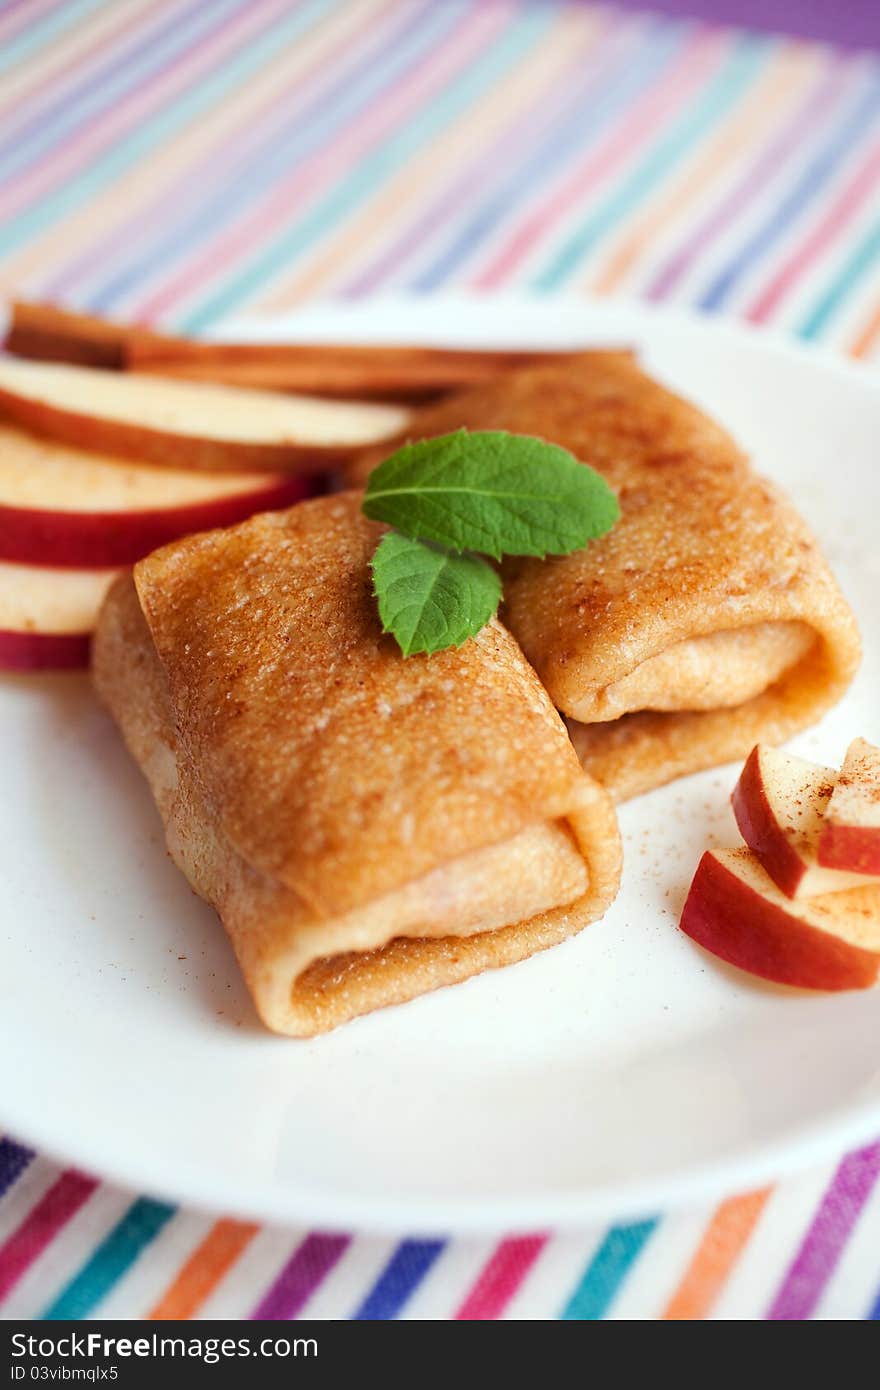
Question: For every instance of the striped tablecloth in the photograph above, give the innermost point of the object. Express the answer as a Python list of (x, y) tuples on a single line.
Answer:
[(182, 160)]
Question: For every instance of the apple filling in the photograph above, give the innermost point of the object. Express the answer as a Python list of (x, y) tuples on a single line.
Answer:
[(717, 671), (536, 871)]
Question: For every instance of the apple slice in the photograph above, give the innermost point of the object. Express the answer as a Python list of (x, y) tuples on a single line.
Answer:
[(44, 651), (735, 910), (62, 506), (779, 802), (47, 615), (850, 837), (184, 424)]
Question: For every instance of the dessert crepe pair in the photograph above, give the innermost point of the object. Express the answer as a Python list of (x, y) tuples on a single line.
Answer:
[(371, 827)]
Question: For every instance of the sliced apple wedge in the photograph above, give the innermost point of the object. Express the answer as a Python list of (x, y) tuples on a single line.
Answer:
[(182, 424), (779, 802), (735, 910), (850, 838), (47, 615), (63, 506)]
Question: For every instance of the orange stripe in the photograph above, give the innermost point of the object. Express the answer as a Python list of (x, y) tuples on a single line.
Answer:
[(784, 82), (723, 1242), (39, 74), (347, 247), (143, 188), (204, 1269), (868, 337)]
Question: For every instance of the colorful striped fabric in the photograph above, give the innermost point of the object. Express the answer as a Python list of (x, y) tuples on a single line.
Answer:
[(183, 160)]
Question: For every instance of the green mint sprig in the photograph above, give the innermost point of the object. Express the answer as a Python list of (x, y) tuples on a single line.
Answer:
[(429, 597), (459, 496)]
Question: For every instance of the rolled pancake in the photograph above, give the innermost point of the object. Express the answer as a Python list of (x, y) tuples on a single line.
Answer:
[(705, 621), (367, 827)]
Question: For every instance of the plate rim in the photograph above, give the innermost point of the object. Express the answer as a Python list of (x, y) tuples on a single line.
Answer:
[(623, 309), (570, 1209)]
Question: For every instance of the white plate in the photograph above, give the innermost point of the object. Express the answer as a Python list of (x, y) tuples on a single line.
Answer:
[(611, 1077)]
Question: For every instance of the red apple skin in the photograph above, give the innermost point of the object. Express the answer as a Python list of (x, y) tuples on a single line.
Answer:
[(44, 651), (759, 828), (855, 848), (98, 540), (731, 920)]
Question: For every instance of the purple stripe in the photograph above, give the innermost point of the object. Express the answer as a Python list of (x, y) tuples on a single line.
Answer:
[(149, 95), (29, 16), (829, 1232), (14, 1158), (66, 78), (35, 16), (61, 118), (771, 161), (855, 23), (308, 1267), (592, 69), (186, 211)]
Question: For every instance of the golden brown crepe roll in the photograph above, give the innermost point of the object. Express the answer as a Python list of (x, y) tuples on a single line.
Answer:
[(705, 621), (367, 827)]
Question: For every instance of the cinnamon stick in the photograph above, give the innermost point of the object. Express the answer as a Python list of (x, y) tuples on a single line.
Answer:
[(50, 334), (342, 370)]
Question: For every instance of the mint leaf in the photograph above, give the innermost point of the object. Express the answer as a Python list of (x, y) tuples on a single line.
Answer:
[(492, 492), (430, 599)]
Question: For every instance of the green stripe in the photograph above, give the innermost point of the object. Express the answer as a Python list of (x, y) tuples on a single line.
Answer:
[(208, 92), (606, 1272), (747, 59), (114, 1256), (859, 264), (363, 184), (52, 26)]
